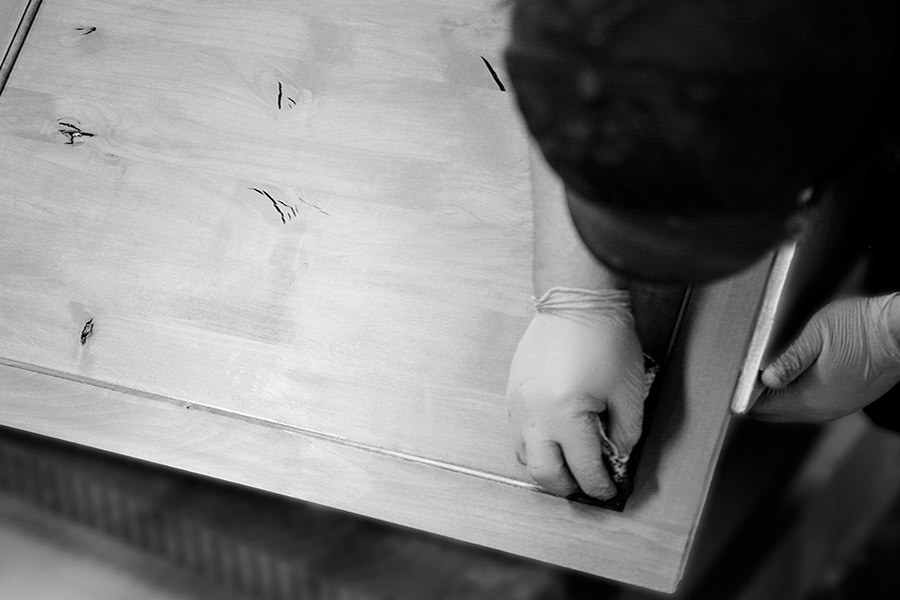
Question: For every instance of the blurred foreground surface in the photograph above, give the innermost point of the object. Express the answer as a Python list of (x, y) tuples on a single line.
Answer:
[(102, 509), (78, 524), (42, 558)]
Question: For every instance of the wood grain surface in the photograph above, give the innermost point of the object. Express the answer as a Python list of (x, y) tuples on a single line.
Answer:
[(381, 269), (289, 245)]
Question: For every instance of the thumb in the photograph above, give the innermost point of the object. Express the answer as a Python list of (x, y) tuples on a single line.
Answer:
[(625, 415), (624, 422), (796, 359)]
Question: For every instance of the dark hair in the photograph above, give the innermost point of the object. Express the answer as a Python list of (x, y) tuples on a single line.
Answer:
[(687, 107)]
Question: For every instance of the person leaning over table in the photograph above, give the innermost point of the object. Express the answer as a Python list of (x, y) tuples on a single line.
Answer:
[(693, 136)]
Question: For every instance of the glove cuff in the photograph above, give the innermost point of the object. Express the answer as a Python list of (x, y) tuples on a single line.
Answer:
[(890, 312), (586, 306)]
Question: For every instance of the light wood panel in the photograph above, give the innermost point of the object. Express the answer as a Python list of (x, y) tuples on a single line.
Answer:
[(308, 223), (399, 279), (645, 545)]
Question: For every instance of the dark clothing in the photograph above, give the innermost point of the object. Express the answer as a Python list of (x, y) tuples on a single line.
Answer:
[(857, 219), (875, 225), (885, 412), (883, 253)]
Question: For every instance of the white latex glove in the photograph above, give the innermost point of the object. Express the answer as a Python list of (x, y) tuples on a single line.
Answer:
[(579, 357), (845, 358)]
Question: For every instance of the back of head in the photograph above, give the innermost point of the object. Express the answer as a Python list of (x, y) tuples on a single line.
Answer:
[(687, 111)]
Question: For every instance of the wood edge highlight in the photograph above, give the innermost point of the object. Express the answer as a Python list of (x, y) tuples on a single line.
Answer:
[(262, 422), (18, 40), (748, 380)]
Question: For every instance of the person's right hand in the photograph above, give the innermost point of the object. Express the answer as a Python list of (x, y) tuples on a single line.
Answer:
[(579, 357), (845, 358)]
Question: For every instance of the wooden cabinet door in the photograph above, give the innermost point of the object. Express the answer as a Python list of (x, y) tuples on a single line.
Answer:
[(288, 244)]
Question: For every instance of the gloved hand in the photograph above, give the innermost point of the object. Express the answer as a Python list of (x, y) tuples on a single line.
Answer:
[(579, 357), (845, 358)]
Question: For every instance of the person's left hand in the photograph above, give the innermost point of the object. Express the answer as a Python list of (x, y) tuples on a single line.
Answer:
[(845, 358)]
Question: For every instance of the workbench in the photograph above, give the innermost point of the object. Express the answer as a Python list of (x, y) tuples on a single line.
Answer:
[(288, 245)]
